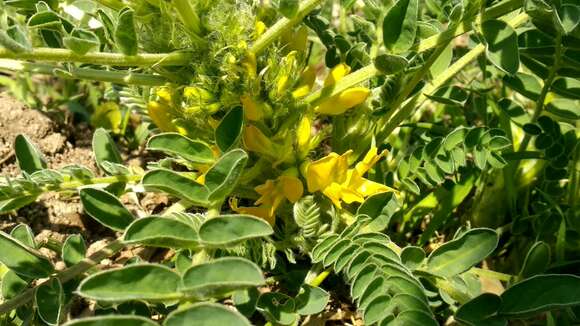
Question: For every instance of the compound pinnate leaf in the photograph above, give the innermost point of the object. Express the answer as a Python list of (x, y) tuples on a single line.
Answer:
[(158, 231), (149, 282), (223, 176), (206, 314), (478, 309), (125, 35), (457, 256), (221, 276), (400, 25), (73, 250), (113, 320), (502, 45), (29, 157), (105, 208), (175, 144), (23, 260), (541, 293), (49, 298), (311, 300), (104, 148), (177, 185), (230, 128), (228, 230)]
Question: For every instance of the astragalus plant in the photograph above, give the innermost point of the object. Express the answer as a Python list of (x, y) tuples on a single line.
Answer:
[(411, 151)]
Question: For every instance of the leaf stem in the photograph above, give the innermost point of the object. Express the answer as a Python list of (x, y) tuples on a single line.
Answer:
[(100, 58), (282, 25), (64, 276), (117, 77)]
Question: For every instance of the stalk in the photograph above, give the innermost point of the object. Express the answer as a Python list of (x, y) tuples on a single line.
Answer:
[(100, 58), (117, 77), (282, 25)]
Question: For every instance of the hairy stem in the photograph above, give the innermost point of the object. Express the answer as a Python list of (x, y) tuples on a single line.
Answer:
[(117, 77), (281, 26), (100, 58)]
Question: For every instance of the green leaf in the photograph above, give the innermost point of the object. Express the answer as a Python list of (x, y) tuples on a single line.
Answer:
[(568, 17), (105, 208), (412, 256), (178, 145), (15, 39), (48, 299), (400, 26), (12, 204), (23, 260), (150, 282), (125, 35), (104, 148), (278, 308), (12, 284), (223, 176), (478, 309), (206, 314), (44, 20), (390, 64), (158, 231), (502, 45), (288, 8), (311, 300), (177, 185), (227, 230), (525, 84), (112, 320), (414, 318), (228, 132), (23, 233), (459, 255), (380, 207), (81, 41), (220, 277), (537, 260), (564, 108), (541, 293), (74, 250), (29, 158)]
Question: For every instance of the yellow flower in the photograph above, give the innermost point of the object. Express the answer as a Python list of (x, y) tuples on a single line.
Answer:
[(339, 103), (256, 141), (336, 74), (273, 193), (303, 134), (253, 110), (260, 28), (161, 115), (332, 176), (305, 82)]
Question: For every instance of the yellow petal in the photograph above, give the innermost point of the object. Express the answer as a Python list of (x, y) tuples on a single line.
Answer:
[(303, 133), (253, 110), (343, 101), (370, 159), (164, 94), (336, 74), (291, 187), (160, 115), (260, 28), (323, 172), (256, 141), (250, 64), (261, 212), (333, 192), (305, 82)]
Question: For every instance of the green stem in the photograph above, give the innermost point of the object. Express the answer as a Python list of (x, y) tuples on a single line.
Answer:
[(100, 58), (64, 276), (552, 73), (117, 77), (281, 26), (315, 282)]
